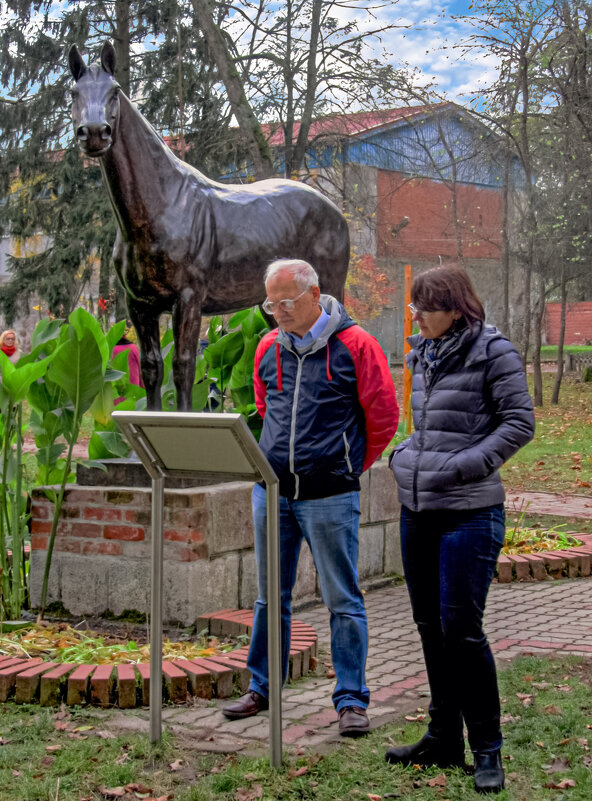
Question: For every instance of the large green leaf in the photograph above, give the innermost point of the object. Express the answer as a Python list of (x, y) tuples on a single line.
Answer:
[(45, 331), (251, 322), (199, 397), (107, 444), (114, 334), (77, 367), (83, 322), (215, 329), (17, 380), (102, 405), (242, 372), (226, 351), (45, 395)]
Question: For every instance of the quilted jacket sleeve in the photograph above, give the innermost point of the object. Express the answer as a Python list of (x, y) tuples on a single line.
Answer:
[(505, 383)]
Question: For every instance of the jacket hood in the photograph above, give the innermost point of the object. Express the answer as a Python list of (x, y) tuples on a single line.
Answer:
[(338, 320)]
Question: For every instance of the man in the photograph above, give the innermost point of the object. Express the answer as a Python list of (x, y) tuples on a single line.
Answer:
[(324, 390)]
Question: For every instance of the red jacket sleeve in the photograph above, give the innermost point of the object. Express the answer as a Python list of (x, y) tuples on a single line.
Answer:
[(376, 390), (260, 387)]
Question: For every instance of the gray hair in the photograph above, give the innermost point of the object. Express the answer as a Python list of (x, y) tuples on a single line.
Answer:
[(303, 273)]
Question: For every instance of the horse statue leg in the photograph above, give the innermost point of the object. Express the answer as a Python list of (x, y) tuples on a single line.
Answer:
[(146, 325), (186, 325)]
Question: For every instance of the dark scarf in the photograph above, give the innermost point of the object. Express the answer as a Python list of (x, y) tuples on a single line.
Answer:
[(433, 351)]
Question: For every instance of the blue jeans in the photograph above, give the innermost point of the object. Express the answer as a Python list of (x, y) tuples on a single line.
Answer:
[(330, 527), (449, 559)]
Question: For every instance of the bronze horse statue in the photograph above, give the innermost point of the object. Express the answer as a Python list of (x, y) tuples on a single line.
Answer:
[(188, 245)]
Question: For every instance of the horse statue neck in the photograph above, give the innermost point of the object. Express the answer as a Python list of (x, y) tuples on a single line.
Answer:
[(142, 173)]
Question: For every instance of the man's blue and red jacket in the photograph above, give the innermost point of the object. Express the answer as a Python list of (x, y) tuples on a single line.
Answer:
[(328, 410)]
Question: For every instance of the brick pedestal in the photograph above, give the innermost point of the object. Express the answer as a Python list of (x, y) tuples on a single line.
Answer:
[(101, 558)]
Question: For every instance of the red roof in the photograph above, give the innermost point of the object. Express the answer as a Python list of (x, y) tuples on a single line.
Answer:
[(348, 124)]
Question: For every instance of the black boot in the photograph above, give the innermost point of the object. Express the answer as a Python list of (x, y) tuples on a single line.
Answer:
[(489, 774), (428, 751)]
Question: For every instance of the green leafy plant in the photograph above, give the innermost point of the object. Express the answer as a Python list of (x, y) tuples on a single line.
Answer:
[(14, 385), (521, 538), (76, 376)]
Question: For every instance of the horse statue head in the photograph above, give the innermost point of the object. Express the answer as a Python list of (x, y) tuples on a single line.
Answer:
[(95, 101)]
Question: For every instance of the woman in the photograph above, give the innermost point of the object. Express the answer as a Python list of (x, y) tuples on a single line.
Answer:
[(9, 345), (135, 373), (471, 411)]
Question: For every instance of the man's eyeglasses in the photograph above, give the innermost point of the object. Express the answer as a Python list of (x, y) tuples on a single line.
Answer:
[(271, 306)]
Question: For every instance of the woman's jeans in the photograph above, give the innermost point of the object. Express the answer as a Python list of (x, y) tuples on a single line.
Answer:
[(330, 527), (449, 559)]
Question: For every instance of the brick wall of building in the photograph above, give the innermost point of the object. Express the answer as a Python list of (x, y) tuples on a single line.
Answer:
[(430, 231), (578, 324)]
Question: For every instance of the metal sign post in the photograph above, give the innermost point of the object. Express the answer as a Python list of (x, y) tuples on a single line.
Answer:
[(205, 445)]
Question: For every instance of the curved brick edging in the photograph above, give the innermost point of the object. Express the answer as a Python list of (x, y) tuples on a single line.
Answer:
[(29, 681), (570, 563)]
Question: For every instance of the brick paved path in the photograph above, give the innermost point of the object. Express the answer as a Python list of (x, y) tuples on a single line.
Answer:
[(521, 617), (546, 503)]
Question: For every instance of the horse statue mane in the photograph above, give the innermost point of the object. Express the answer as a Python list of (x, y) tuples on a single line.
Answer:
[(187, 245)]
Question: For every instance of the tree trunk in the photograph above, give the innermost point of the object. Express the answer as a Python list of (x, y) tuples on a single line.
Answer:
[(539, 309), (311, 86), (505, 260), (121, 43), (250, 128), (559, 373)]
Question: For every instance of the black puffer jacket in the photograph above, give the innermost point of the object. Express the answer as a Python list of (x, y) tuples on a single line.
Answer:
[(475, 413)]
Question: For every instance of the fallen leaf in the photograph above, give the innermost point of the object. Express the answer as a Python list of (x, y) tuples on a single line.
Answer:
[(60, 725), (540, 744), (413, 718), (437, 781), (121, 759), (249, 793), (105, 735), (510, 719), (330, 674), (137, 788), (51, 748), (16, 773), (541, 685), (559, 765), (176, 764), (562, 785), (112, 792), (374, 797), (249, 777), (4, 741), (83, 728), (63, 713), (293, 772), (47, 761), (552, 709)]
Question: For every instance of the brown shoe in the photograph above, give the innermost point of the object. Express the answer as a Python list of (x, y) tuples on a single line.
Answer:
[(247, 705), (353, 721)]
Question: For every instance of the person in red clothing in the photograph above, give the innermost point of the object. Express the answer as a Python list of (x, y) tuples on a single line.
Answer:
[(325, 392), (9, 345), (135, 375)]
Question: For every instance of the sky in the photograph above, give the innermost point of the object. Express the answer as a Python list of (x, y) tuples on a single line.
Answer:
[(433, 45)]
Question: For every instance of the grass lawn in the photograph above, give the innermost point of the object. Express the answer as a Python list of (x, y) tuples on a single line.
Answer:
[(559, 459), (80, 755), (550, 351)]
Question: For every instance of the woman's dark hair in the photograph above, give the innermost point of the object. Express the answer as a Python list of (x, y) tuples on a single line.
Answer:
[(447, 288)]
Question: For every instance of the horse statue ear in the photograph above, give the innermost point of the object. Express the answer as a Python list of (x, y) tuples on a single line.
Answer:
[(77, 66), (108, 58)]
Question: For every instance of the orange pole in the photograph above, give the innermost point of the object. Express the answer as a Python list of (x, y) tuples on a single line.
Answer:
[(407, 329)]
